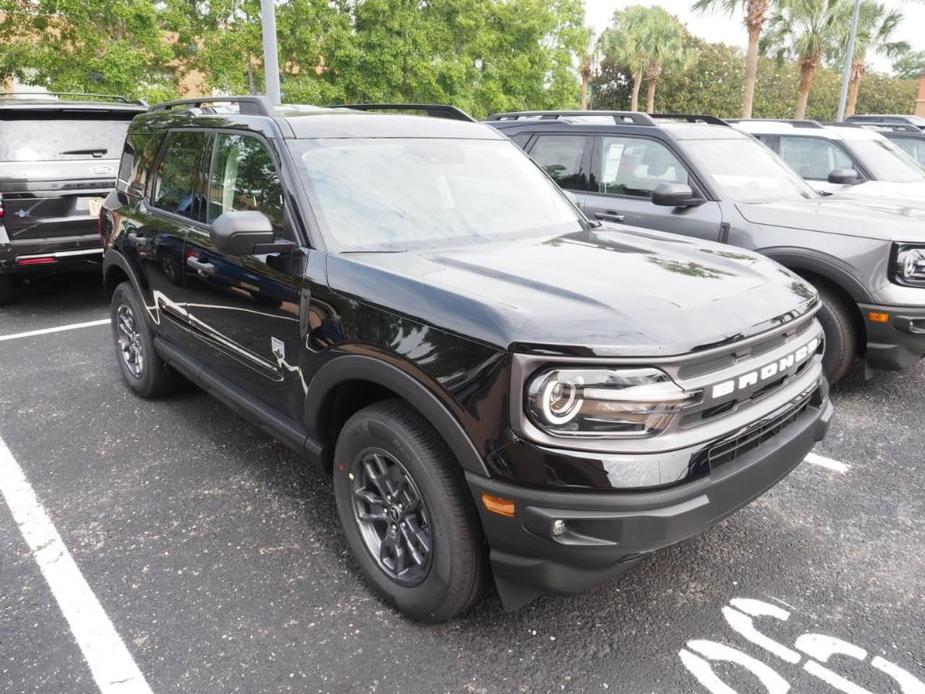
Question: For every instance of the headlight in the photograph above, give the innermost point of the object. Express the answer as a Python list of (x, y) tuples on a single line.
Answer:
[(908, 264), (605, 402)]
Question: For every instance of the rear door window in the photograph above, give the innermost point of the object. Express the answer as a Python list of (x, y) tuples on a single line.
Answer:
[(179, 186), (37, 136), (561, 156)]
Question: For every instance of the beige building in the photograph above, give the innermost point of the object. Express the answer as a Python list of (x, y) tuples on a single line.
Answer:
[(920, 99)]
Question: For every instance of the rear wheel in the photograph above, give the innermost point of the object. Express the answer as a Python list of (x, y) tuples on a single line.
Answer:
[(407, 514), (6, 289), (142, 368), (840, 336)]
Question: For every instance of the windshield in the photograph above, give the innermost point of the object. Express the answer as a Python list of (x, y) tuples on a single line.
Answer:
[(57, 139), (886, 161), (399, 194), (744, 170)]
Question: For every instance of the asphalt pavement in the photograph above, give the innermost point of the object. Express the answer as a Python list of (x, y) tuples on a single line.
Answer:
[(216, 555)]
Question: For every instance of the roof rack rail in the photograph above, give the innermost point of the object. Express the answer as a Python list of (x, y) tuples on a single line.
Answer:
[(252, 105), (432, 110), (101, 97), (619, 117), (792, 121), (892, 127), (692, 118)]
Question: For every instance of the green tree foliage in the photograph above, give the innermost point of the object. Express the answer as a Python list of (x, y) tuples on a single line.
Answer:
[(650, 41), (712, 83), (806, 31), (118, 46), (909, 65), (482, 55)]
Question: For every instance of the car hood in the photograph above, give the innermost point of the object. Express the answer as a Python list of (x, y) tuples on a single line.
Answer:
[(866, 218), (910, 193), (607, 292)]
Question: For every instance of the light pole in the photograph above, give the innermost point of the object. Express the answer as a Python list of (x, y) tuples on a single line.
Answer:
[(270, 51), (849, 61)]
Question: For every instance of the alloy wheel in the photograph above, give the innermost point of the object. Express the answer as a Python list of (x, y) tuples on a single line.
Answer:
[(130, 344), (391, 516)]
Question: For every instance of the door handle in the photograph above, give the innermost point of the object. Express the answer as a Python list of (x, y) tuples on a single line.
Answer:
[(202, 268), (609, 216)]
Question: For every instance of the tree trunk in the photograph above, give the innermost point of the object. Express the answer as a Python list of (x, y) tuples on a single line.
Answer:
[(751, 71), (637, 83), (650, 95), (584, 93), (857, 72), (807, 73)]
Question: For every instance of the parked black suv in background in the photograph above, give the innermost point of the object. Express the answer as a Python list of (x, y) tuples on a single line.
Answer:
[(493, 380), (59, 155), (697, 176)]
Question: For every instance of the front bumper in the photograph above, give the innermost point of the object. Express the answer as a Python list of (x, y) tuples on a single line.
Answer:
[(607, 531), (897, 344)]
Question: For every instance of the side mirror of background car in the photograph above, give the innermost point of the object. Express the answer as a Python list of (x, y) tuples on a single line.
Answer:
[(674, 195), (243, 232), (844, 176)]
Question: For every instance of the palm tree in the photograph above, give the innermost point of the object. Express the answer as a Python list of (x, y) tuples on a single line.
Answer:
[(665, 35), (756, 14), (806, 31), (648, 40), (876, 28), (586, 67), (623, 43)]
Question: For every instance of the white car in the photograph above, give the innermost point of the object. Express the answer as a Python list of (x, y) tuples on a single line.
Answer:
[(842, 158)]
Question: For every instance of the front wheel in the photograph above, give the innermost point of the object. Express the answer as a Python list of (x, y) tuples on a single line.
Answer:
[(407, 514), (840, 335), (142, 368)]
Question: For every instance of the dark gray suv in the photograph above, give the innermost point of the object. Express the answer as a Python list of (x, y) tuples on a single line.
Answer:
[(696, 176)]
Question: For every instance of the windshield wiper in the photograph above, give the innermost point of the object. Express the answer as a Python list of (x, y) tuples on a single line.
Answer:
[(94, 151)]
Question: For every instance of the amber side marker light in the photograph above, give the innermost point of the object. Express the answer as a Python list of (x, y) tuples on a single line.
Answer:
[(877, 317), (499, 505)]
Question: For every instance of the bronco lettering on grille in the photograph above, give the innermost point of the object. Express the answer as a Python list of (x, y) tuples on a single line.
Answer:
[(768, 371)]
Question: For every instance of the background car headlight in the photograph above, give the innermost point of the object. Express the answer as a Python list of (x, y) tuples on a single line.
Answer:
[(908, 264), (605, 402)]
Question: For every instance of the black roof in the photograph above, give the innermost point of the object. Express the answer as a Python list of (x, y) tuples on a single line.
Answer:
[(303, 121)]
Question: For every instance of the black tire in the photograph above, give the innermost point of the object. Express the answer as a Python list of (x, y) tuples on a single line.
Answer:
[(6, 289), (841, 343), (451, 578), (149, 376)]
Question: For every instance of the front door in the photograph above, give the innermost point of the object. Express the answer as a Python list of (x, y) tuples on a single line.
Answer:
[(244, 310), (626, 170)]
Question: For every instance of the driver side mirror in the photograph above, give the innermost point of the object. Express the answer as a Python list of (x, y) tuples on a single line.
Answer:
[(674, 195), (844, 177), (244, 232)]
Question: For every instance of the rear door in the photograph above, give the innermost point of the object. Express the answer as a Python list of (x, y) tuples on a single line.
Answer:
[(56, 166), (625, 171)]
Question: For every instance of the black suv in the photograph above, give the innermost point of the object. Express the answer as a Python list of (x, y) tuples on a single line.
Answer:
[(492, 380), (697, 176), (59, 155)]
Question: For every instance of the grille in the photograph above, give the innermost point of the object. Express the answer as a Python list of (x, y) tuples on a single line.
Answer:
[(729, 449)]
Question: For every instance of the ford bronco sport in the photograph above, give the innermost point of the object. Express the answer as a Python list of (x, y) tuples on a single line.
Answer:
[(58, 159), (495, 382), (694, 175)]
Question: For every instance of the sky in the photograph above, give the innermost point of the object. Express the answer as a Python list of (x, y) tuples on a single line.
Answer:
[(716, 26)]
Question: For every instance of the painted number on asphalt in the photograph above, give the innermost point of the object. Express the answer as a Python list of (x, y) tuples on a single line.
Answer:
[(813, 650)]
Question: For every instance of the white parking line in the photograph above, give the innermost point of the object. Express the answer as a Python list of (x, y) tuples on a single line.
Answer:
[(60, 329), (110, 662), (822, 461)]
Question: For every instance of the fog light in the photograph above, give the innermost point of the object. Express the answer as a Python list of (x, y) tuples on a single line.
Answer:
[(558, 528)]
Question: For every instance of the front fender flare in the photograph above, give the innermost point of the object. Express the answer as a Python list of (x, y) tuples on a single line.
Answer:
[(353, 367)]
